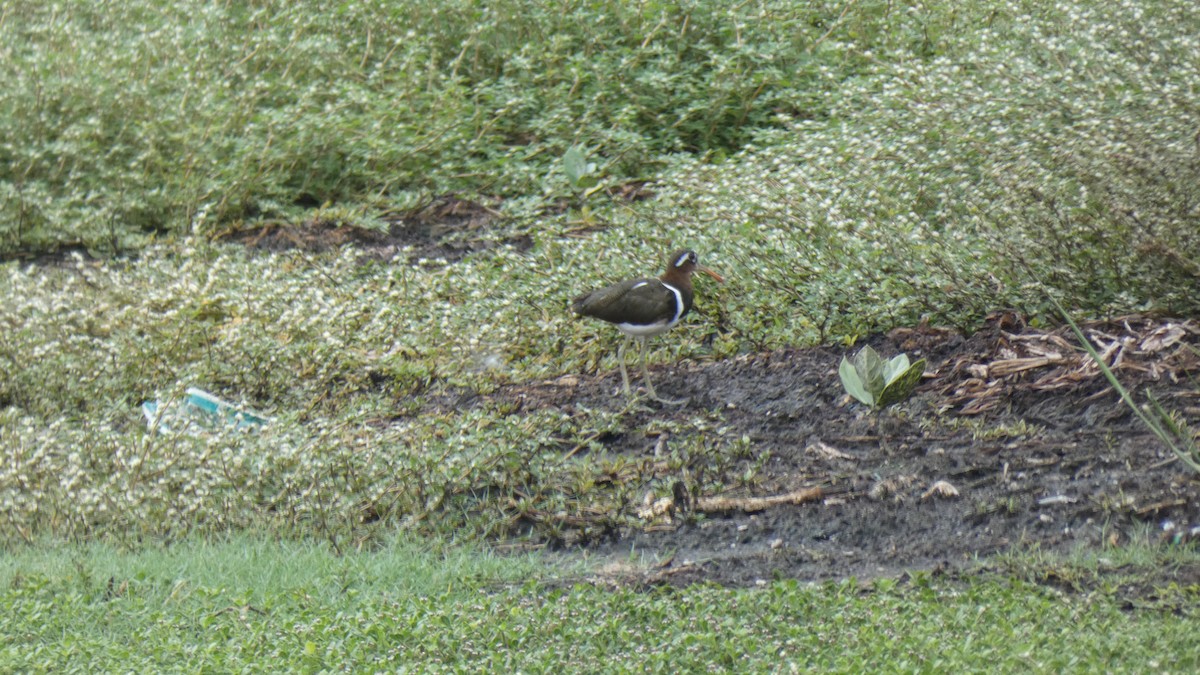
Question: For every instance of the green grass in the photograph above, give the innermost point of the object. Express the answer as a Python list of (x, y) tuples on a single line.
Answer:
[(922, 155), (246, 602), (848, 166), (134, 118), (873, 160)]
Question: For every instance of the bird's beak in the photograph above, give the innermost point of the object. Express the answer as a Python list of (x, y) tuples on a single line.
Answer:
[(718, 277)]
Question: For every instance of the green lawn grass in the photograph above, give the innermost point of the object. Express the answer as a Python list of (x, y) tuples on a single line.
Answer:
[(253, 604)]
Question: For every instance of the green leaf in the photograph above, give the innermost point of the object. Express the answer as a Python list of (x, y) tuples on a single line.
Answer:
[(895, 368), (575, 165), (870, 370), (899, 388), (853, 384)]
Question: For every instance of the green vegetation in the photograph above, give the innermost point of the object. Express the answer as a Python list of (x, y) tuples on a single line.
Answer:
[(893, 160), (242, 604), (920, 154), (848, 166), (879, 383), (130, 118)]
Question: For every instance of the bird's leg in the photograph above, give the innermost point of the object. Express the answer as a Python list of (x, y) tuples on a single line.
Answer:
[(650, 385), (621, 358)]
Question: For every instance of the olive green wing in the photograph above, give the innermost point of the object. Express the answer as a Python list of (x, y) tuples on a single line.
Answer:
[(637, 301)]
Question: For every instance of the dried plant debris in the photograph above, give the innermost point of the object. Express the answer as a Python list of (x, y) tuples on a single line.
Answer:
[(827, 452), (940, 489), (1138, 347), (893, 487)]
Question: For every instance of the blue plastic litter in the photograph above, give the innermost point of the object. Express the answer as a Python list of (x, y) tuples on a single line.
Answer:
[(199, 409)]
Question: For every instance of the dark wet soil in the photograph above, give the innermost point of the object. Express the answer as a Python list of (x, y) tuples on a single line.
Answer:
[(447, 228), (1014, 441)]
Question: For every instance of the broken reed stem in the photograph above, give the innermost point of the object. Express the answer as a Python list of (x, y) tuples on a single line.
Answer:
[(750, 504)]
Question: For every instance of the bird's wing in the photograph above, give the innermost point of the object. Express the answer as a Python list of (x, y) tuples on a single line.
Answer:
[(637, 301)]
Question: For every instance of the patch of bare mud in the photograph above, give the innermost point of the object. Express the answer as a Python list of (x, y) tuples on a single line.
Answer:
[(1013, 441), (448, 228)]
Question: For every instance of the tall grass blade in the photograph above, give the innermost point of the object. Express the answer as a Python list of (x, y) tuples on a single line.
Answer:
[(1175, 436)]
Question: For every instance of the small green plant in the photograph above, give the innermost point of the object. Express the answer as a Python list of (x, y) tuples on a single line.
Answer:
[(880, 383), (580, 172)]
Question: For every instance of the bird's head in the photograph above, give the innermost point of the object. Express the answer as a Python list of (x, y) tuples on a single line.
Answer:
[(684, 262)]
